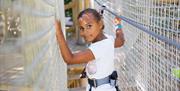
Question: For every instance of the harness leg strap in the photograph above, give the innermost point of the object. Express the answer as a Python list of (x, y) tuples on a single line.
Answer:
[(90, 88)]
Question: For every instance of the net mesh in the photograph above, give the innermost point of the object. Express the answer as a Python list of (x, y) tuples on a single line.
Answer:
[(147, 61), (29, 51)]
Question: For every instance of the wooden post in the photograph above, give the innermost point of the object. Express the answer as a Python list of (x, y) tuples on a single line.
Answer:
[(75, 14), (80, 40), (87, 3), (5, 22)]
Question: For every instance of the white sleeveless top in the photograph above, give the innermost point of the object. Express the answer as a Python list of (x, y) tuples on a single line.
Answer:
[(103, 65)]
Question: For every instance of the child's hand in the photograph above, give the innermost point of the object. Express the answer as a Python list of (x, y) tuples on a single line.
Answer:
[(58, 28), (57, 24), (117, 20)]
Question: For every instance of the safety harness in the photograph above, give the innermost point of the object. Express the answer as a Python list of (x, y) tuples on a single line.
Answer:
[(111, 79)]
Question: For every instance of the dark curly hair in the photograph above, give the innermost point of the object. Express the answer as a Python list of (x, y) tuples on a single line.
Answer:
[(94, 12)]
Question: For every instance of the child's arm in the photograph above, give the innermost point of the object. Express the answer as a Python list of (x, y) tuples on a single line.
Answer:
[(68, 56), (119, 40)]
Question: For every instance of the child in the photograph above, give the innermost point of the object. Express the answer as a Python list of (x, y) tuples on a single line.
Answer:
[(100, 54)]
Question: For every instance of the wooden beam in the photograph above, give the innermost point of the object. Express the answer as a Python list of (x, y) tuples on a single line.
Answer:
[(87, 3), (70, 5)]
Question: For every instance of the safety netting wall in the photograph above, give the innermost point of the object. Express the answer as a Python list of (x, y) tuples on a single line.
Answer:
[(150, 57), (31, 24)]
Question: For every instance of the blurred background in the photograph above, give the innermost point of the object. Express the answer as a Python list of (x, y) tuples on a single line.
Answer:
[(30, 58)]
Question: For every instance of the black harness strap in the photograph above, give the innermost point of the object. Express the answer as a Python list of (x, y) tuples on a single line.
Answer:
[(111, 79)]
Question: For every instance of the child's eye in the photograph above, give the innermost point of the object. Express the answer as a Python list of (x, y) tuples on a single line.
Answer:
[(81, 29), (89, 26)]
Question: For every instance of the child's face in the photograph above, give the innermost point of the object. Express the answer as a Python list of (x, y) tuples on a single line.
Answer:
[(89, 27)]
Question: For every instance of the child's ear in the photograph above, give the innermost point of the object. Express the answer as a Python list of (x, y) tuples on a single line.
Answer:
[(101, 24)]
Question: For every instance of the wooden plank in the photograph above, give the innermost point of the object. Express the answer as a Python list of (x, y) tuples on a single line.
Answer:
[(77, 89), (74, 77), (76, 65)]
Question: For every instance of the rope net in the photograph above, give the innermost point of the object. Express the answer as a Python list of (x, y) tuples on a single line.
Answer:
[(148, 61), (29, 51)]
